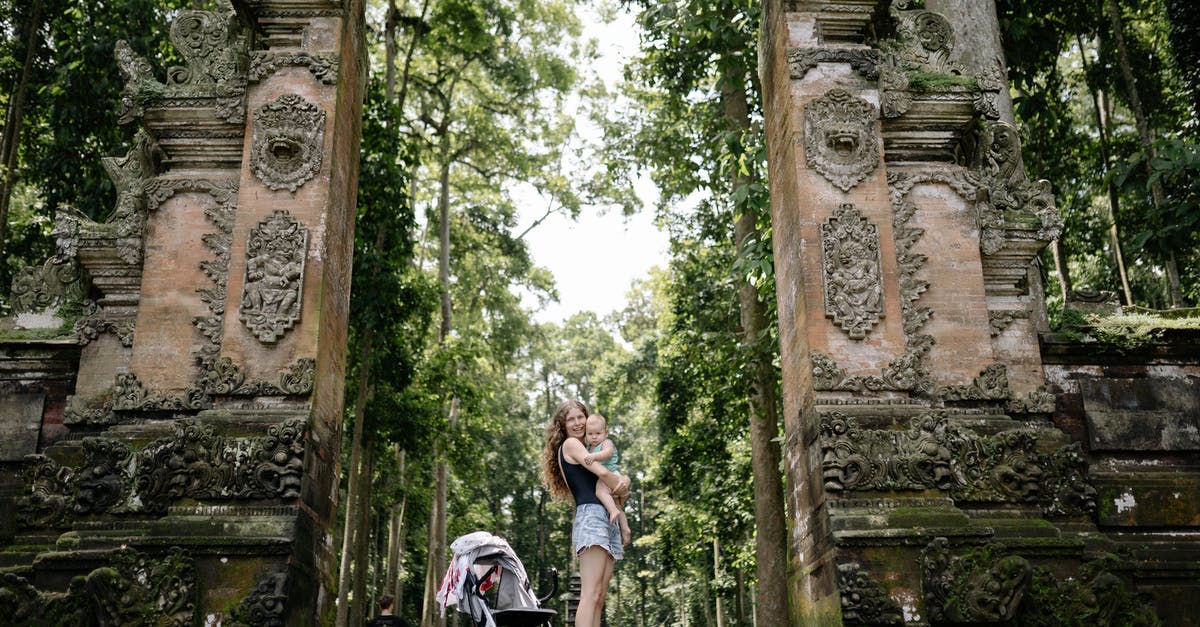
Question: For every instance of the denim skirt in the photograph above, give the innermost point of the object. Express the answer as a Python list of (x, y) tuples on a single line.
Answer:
[(592, 528)]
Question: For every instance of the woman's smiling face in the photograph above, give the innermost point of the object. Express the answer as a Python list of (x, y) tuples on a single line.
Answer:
[(576, 423)]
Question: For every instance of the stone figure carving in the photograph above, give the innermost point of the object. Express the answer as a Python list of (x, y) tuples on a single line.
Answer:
[(852, 271), (274, 276), (287, 141), (983, 586), (265, 605), (839, 138), (863, 600)]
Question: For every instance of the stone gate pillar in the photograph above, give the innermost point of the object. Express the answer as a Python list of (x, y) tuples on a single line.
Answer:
[(187, 466), (926, 481)]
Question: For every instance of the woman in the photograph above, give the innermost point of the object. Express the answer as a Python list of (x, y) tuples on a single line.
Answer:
[(596, 541)]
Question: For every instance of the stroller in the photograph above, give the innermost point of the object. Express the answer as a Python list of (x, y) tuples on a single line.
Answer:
[(487, 581)]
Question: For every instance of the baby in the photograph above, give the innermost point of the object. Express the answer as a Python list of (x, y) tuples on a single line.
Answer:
[(601, 449)]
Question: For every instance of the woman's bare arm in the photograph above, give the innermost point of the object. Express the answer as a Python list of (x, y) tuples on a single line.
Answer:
[(575, 452)]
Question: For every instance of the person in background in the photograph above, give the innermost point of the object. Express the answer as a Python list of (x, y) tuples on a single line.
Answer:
[(385, 617)]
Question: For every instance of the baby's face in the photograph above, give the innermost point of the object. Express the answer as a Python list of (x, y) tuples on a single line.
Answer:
[(596, 432)]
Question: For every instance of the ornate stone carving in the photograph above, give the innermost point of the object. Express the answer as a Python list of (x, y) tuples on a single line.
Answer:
[(88, 329), (1009, 205), (43, 290), (853, 271), (271, 296), (839, 138), (265, 605), (865, 61), (990, 385), (130, 394), (130, 174), (981, 586), (139, 589), (1039, 401), (214, 47), (91, 414), (323, 66), (298, 379), (101, 483), (1000, 320), (932, 452), (863, 600), (193, 463), (222, 377), (23, 604), (287, 142), (48, 500)]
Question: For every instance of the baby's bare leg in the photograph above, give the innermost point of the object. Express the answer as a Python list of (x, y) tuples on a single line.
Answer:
[(606, 499)]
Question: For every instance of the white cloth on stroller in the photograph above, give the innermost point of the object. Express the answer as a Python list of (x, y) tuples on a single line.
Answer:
[(457, 586)]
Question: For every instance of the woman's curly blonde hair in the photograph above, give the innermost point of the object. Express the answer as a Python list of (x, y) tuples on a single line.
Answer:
[(556, 434)]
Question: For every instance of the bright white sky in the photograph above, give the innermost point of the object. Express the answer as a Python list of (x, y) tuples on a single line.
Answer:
[(619, 250)]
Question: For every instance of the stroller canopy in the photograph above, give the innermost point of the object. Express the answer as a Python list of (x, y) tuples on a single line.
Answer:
[(475, 556)]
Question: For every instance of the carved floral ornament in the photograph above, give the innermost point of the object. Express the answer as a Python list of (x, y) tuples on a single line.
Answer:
[(839, 138), (852, 271), (271, 295), (288, 138)]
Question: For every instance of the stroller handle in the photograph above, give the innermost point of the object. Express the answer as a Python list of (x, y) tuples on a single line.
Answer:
[(553, 587)]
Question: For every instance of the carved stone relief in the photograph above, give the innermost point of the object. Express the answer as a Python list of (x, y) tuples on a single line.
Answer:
[(287, 141), (214, 47), (1007, 201), (324, 67), (839, 138), (983, 586), (933, 452), (193, 463), (853, 271), (865, 61), (265, 605), (990, 385), (271, 296), (863, 600)]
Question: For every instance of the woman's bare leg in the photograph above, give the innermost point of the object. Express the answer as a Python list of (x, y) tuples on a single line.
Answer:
[(595, 569)]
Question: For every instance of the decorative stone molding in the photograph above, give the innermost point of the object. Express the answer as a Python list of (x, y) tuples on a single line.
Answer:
[(41, 291), (287, 141), (83, 415), (864, 601), (223, 191), (853, 271), (271, 296), (983, 586), (1010, 206), (225, 378), (840, 141), (1000, 320), (865, 61), (130, 395), (214, 47), (265, 605), (932, 452), (193, 463), (134, 589), (88, 329), (324, 67), (1039, 401), (990, 385)]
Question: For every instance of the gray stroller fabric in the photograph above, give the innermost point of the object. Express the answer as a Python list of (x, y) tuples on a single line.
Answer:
[(474, 554)]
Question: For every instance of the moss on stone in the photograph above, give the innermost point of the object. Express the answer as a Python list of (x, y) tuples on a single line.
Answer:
[(925, 82)]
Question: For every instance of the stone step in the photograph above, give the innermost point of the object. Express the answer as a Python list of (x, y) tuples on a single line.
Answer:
[(11, 558)]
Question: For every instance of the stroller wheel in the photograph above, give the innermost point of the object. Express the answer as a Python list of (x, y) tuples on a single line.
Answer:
[(523, 617)]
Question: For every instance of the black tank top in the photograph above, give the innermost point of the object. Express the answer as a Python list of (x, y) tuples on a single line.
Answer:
[(581, 482)]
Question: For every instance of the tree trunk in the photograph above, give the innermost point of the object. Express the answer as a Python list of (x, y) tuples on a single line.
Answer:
[(1143, 128), (355, 485), (396, 536), (717, 578), (389, 51), (765, 455), (1100, 104), (741, 597), (13, 122), (362, 539)]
